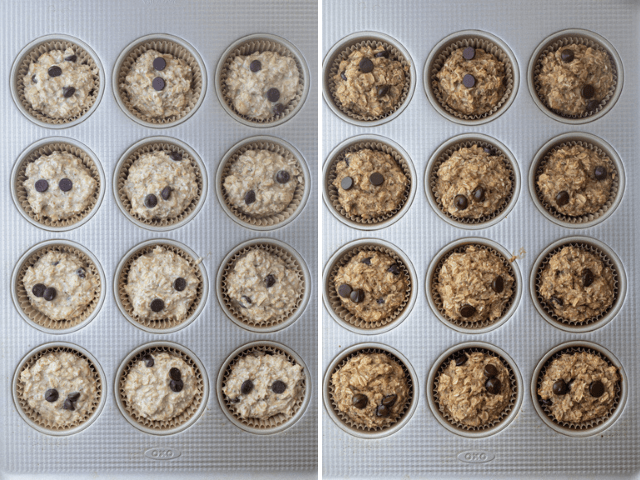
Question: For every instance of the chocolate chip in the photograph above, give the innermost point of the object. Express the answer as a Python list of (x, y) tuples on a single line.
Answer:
[(51, 395), (270, 281), (159, 63), (461, 360), (158, 84), (278, 387), (394, 269), (41, 185), (165, 193), (38, 290), (366, 65), (176, 385), (34, 79), (179, 284), (567, 55), (389, 400), (380, 301), (71, 58), (588, 91), (467, 311), (246, 387), (596, 389), (273, 95), (68, 92), (357, 295), (174, 374), (175, 156), (346, 183), (344, 290), (493, 386), (383, 411), (250, 197), (157, 305), (278, 109), (366, 261), (376, 179), (343, 76), (560, 387), (498, 284), (468, 80), (150, 201), (74, 397), (587, 277), (255, 66), (490, 370), (478, 194), (360, 401), (383, 53), (55, 71), (468, 53), (68, 405), (148, 360), (562, 198), (592, 105), (557, 301), (65, 184), (461, 202), (81, 272), (383, 90), (283, 176), (49, 294), (600, 173), (246, 300)]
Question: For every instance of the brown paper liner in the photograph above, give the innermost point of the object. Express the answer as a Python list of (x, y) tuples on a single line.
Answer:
[(563, 42), (166, 47), (505, 413), (62, 147), (35, 416), (84, 58), (290, 262), (40, 318), (402, 162), (605, 260), (276, 420), (163, 323), (476, 42), (446, 155), (438, 300), (344, 418), (167, 147), (589, 217), (185, 416), (334, 299), (395, 54), (570, 425), (260, 46), (298, 193)]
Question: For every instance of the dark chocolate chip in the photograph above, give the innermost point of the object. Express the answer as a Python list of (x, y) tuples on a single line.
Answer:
[(380, 301), (148, 360), (383, 411), (51, 395), (357, 295), (174, 374), (166, 193), (567, 55), (68, 405), (246, 300), (273, 95), (588, 91), (389, 400), (498, 284), (157, 305), (383, 90), (74, 396), (360, 401), (383, 53), (71, 58), (592, 105), (490, 370), (600, 173), (461, 202), (159, 63), (68, 92), (587, 277), (270, 281), (366, 65), (38, 290), (250, 197), (283, 176), (478, 194), (179, 284), (34, 79), (562, 198), (55, 71), (278, 109), (560, 387), (42, 186), (278, 387), (344, 290), (175, 156), (343, 76), (394, 269), (376, 179), (493, 386), (468, 53), (246, 387), (346, 183), (65, 184), (49, 294), (366, 261), (467, 311), (176, 385), (596, 389), (150, 201), (255, 66), (468, 80), (461, 360), (81, 272), (158, 84), (557, 301)]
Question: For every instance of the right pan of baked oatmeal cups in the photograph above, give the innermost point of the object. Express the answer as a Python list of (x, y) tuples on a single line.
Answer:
[(579, 389), (262, 80), (578, 284), (369, 286), (263, 183), (368, 79), (161, 388), (160, 286), (473, 285), (263, 285), (471, 77), (369, 182), (492, 394), (263, 369), (472, 181), (381, 407), (575, 76)]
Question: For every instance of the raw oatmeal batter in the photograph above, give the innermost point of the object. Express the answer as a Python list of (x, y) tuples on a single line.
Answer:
[(474, 389), (262, 85), (154, 390), (60, 387), (369, 82), (161, 285), (58, 86), (371, 286), (263, 385), (576, 285), (371, 390), (370, 184), (60, 285), (261, 183), (474, 285), (45, 193), (473, 183), (579, 387)]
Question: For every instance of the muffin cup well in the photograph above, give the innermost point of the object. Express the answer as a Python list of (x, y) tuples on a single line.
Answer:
[(292, 260), (332, 300), (159, 144), (444, 152), (30, 54), (596, 426), (341, 50), (277, 423), (477, 39), (186, 418), (47, 146), (341, 420), (507, 416), (33, 419), (39, 320), (376, 143), (559, 40), (595, 144), (608, 257), (165, 325), (300, 195), (166, 44), (435, 302), (262, 42)]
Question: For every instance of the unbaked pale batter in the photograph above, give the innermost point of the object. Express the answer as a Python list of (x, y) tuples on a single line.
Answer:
[(579, 387), (264, 385), (576, 284), (371, 390)]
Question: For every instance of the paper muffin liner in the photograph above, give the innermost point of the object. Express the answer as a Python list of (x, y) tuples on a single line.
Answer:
[(164, 323), (263, 43), (187, 415), (276, 421), (34, 416), (39, 318), (299, 197), (168, 146), (84, 58), (168, 45)]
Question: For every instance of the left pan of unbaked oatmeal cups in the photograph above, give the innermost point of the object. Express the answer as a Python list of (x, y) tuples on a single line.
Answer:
[(263, 387), (161, 388), (57, 81)]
